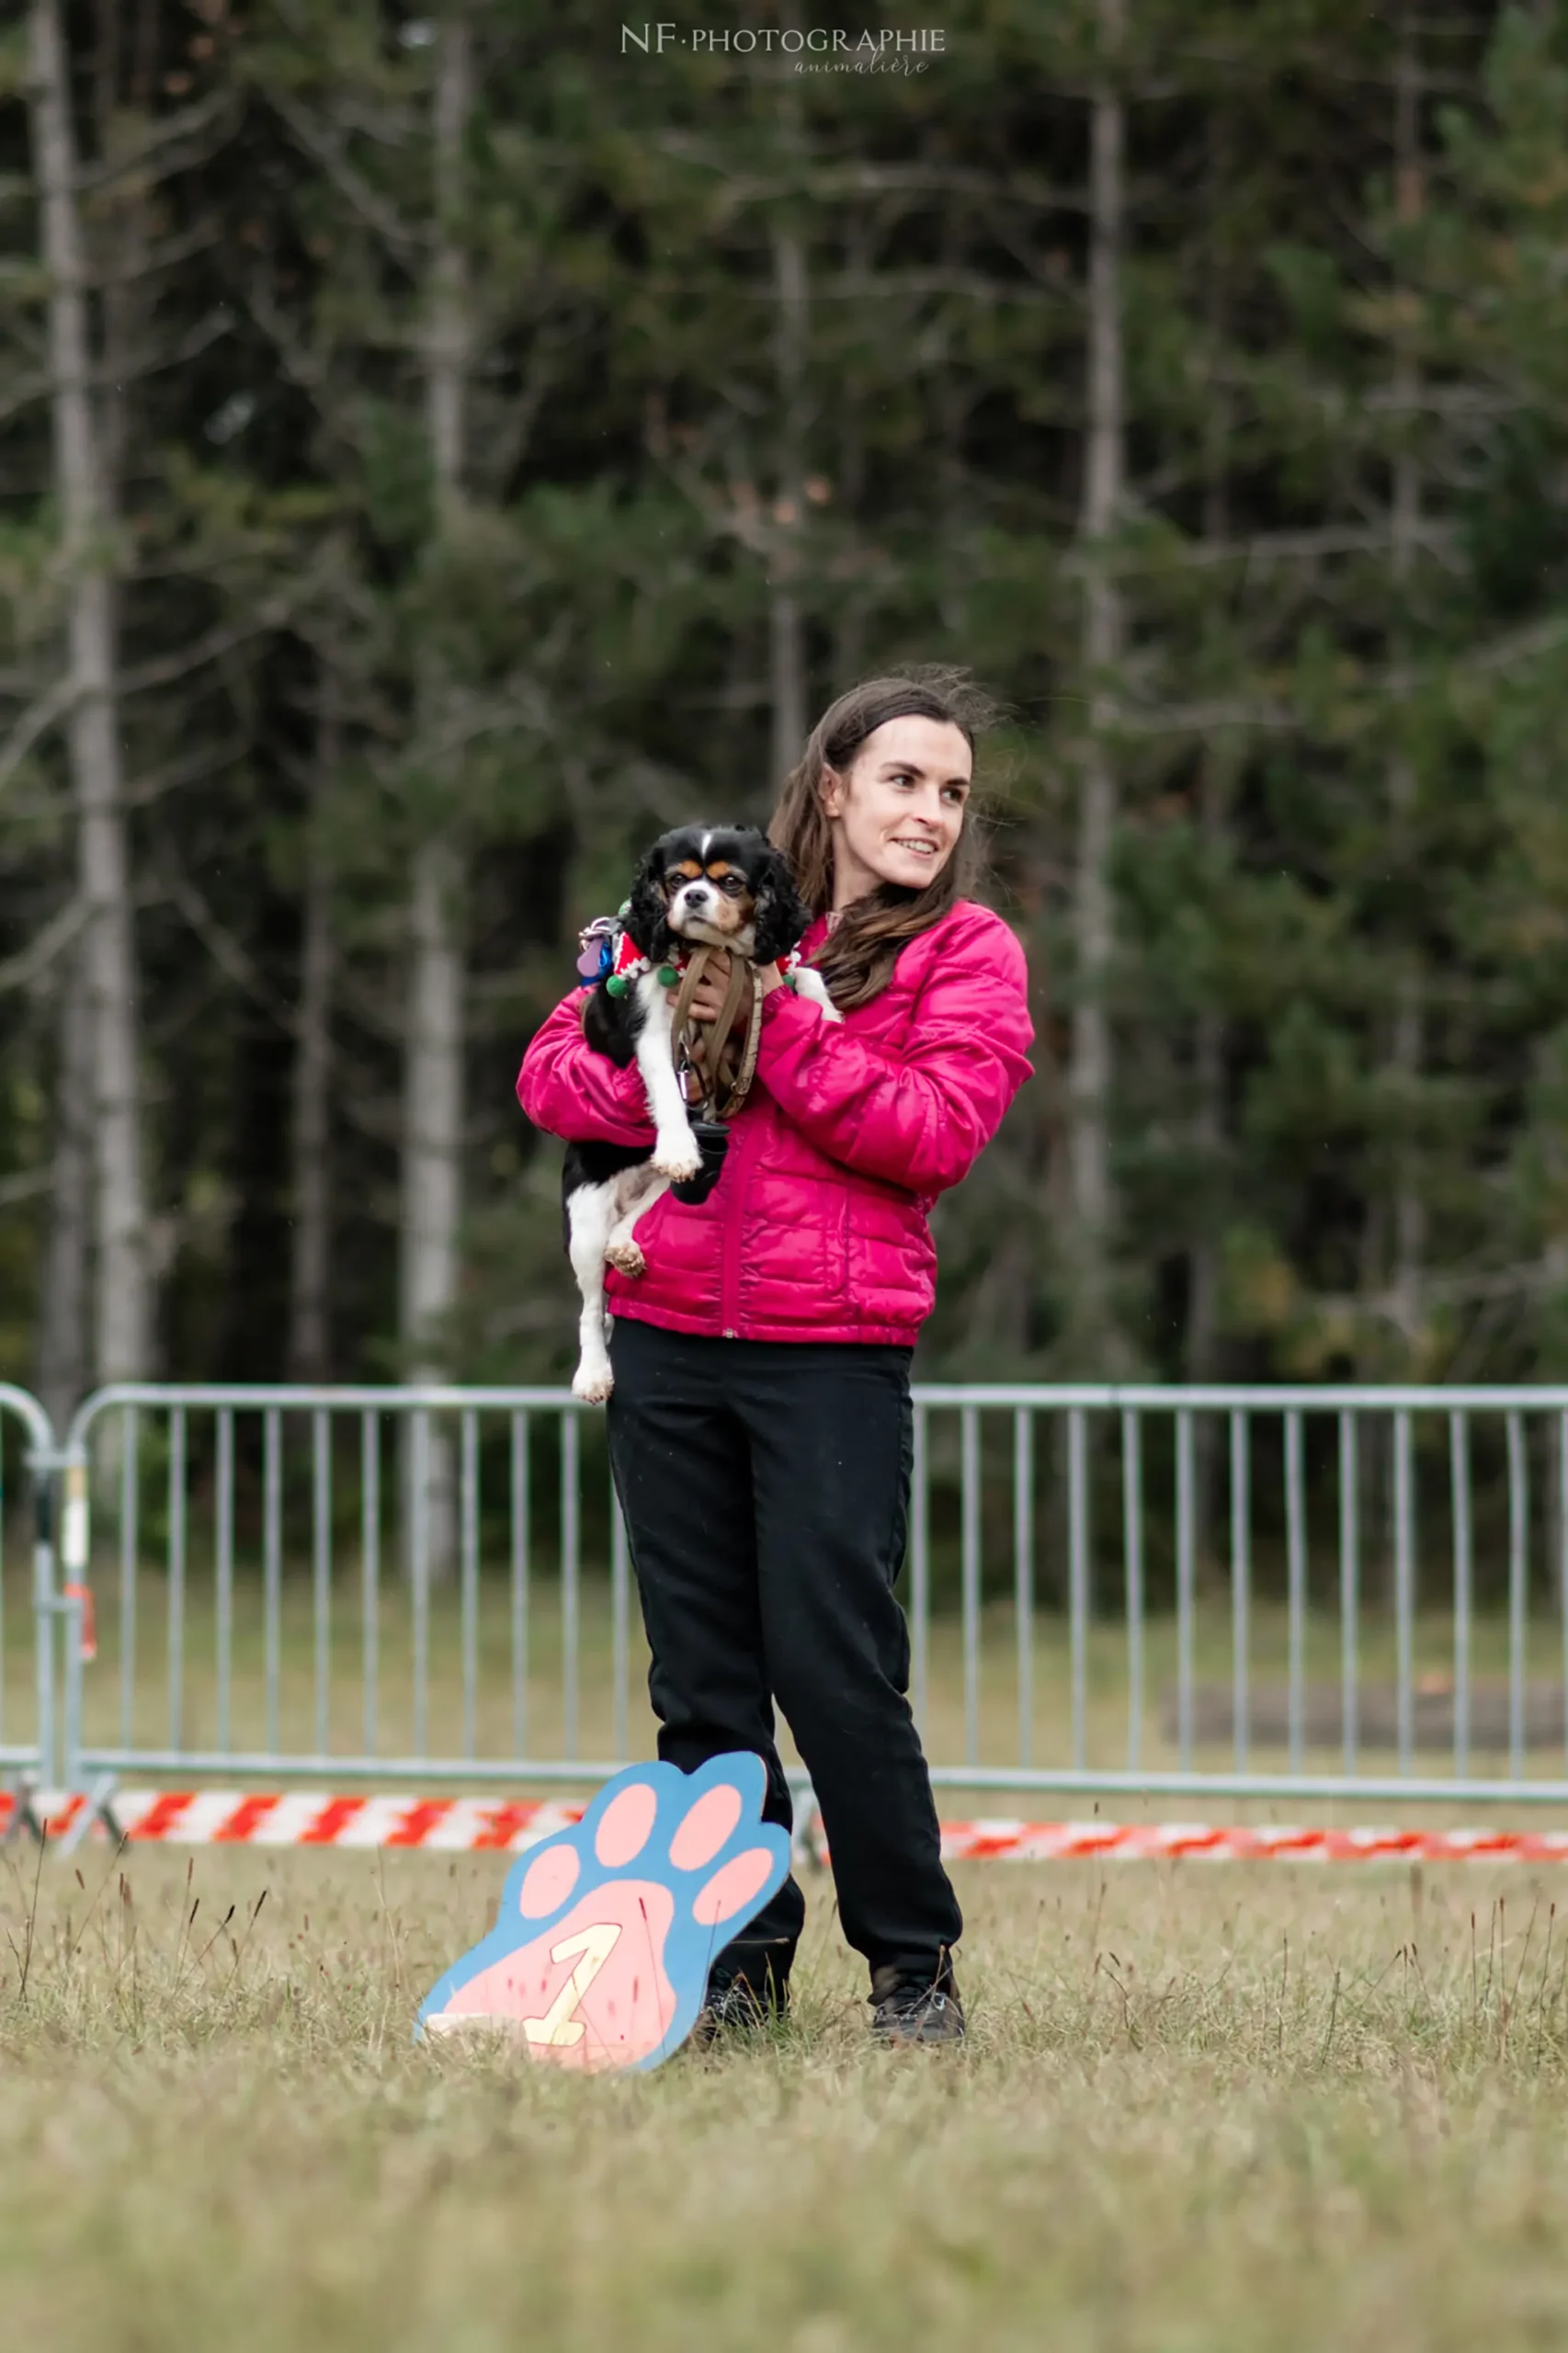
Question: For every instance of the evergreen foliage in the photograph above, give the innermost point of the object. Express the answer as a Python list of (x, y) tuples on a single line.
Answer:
[(772, 379)]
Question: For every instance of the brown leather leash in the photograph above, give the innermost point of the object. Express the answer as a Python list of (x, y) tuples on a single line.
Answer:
[(702, 1044)]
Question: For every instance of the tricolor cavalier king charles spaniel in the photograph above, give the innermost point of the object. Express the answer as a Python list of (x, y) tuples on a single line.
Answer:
[(721, 887)]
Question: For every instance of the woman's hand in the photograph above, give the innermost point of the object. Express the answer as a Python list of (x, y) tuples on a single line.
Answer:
[(708, 1000)]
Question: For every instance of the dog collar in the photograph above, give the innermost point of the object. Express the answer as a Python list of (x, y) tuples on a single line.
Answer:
[(608, 953)]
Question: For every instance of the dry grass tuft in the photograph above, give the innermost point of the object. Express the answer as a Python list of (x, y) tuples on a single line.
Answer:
[(1203, 2107)]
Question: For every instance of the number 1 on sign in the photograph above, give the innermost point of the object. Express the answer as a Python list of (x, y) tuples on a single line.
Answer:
[(590, 1949)]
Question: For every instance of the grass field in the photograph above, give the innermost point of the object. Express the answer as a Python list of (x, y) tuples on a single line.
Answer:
[(1203, 2107)]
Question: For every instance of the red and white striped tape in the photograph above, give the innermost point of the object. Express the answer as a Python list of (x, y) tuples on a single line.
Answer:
[(481, 1826), (309, 1818), (1055, 1842)]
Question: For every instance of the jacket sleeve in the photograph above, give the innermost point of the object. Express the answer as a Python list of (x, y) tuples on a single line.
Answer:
[(922, 1118), (569, 1090)]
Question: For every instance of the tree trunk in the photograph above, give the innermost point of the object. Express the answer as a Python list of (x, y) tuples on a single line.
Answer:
[(1102, 644), (432, 1109), (1214, 782), (433, 1092), (62, 1306), (309, 1353), (122, 1334), (446, 376), (786, 661), (1208, 1136), (1409, 1021), (849, 491)]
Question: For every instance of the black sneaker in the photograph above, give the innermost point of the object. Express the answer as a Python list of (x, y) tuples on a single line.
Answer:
[(736, 2011), (907, 2010)]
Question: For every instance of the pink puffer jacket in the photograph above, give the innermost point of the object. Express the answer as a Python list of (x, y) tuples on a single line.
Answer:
[(817, 1228)]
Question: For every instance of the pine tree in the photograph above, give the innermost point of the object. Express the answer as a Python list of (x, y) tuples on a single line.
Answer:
[(121, 1341)]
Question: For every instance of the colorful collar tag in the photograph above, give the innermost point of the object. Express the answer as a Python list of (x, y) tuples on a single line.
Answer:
[(597, 943)]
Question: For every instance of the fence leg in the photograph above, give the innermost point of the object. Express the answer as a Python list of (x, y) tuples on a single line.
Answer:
[(24, 1818), (807, 1847), (97, 1805), (43, 1466), (75, 1606), (71, 1606), (29, 1815), (59, 1762)]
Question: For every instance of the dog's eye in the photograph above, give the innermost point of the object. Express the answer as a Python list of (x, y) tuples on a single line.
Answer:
[(732, 885)]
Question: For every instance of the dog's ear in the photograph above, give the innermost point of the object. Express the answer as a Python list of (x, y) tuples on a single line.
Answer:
[(781, 913), (646, 912)]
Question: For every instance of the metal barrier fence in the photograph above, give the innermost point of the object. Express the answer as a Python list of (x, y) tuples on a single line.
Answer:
[(1201, 1592), (30, 1757)]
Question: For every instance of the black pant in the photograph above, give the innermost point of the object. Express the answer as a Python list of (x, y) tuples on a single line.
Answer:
[(764, 1486)]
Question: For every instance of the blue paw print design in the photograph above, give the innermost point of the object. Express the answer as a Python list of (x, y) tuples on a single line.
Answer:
[(599, 1957)]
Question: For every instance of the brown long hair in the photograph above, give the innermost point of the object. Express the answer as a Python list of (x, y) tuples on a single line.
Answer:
[(857, 958)]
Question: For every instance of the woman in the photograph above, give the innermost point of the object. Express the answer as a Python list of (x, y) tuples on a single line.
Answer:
[(760, 1427)]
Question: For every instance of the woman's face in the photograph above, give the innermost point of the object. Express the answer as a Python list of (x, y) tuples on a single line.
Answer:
[(898, 812)]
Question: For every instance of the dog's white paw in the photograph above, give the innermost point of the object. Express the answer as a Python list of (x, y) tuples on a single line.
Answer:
[(812, 989), (591, 1384), (676, 1161), (627, 1258)]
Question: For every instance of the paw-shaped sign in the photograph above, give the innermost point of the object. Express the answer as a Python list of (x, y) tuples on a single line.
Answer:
[(600, 1958)]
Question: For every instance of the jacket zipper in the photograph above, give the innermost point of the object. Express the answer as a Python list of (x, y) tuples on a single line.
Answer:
[(730, 1258)]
